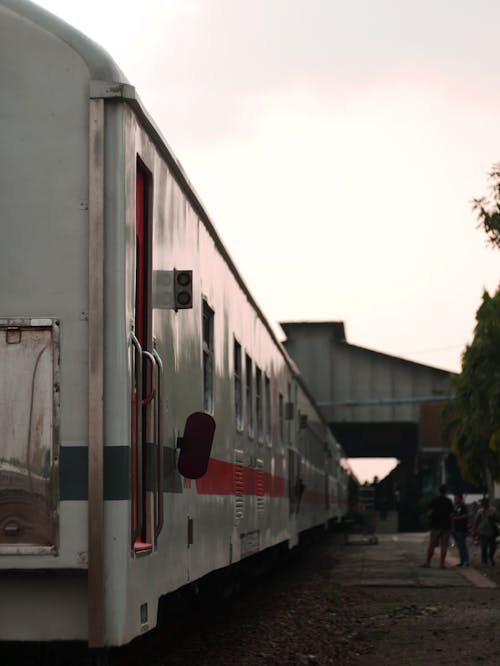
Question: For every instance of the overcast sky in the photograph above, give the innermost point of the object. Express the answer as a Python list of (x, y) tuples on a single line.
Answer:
[(336, 144)]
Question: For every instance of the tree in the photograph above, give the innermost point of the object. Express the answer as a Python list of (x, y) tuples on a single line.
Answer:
[(474, 412), (472, 417), (488, 209)]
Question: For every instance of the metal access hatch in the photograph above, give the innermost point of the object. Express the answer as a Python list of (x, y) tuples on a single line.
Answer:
[(29, 436)]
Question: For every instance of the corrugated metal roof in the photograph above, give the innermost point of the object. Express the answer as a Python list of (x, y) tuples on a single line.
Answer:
[(338, 335)]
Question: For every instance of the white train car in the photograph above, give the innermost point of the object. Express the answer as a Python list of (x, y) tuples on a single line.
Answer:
[(153, 430)]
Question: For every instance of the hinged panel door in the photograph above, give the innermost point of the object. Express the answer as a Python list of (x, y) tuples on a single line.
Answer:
[(29, 394)]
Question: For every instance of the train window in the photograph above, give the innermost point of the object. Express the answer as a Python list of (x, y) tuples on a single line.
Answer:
[(249, 393), (267, 401), (281, 416), (258, 404), (238, 389), (208, 358)]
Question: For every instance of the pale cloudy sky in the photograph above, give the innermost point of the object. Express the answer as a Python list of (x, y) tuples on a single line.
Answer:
[(336, 144)]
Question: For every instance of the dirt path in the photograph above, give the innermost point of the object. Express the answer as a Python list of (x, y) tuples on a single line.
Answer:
[(458, 626), (421, 617)]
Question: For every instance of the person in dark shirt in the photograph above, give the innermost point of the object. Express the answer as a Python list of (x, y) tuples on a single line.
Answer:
[(440, 513), (460, 527)]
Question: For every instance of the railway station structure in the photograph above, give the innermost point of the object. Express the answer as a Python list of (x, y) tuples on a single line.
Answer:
[(378, 405)]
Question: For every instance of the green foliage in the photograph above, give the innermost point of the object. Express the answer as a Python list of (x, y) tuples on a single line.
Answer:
[(488, 209), (473, 416)]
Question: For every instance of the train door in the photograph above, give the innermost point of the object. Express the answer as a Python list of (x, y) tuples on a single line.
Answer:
[(146, 368)]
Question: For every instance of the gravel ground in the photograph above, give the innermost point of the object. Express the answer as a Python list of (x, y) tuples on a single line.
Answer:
[(303, 616), (297, 616)]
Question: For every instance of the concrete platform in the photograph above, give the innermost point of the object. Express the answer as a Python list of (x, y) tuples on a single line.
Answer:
[(395, 560)]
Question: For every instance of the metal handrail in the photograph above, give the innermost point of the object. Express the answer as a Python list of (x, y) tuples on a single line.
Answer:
[(152, 396), (159, 451), (152, 387), (136, 399)]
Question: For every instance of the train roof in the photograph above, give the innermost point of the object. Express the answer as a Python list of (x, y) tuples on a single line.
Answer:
[(100, 64)]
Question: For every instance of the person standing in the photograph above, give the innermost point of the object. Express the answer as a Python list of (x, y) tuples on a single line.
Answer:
[(460, 521), (485, 524), (440, 512)]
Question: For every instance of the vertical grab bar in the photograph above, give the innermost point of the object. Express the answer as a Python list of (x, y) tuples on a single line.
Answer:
[(151, 396), (136, 429), (152, 387), (159, 451)]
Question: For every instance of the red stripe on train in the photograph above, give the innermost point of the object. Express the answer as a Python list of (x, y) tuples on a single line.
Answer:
[(225, 478)]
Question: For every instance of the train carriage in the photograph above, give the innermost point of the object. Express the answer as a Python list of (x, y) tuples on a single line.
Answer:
[(153, 428)]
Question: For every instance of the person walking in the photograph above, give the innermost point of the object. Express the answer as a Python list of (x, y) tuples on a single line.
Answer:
[(459, 528), (485, 524), (440, 512)]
